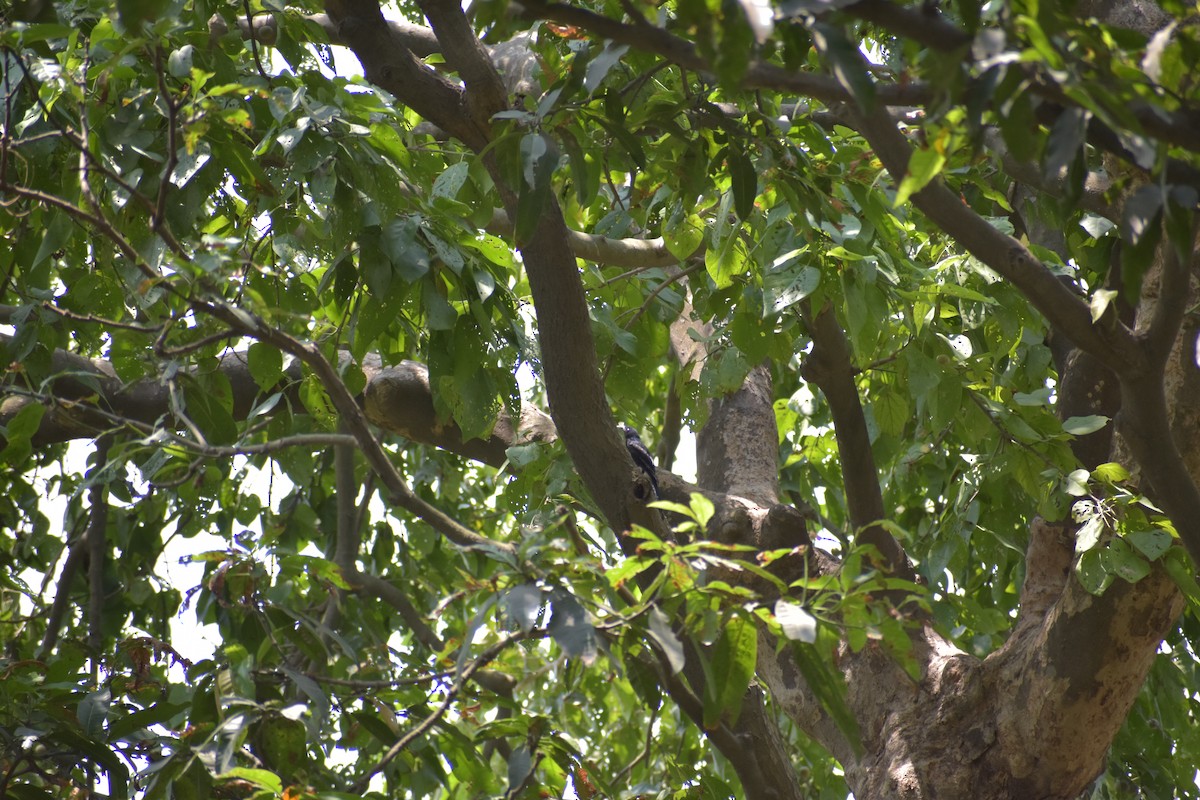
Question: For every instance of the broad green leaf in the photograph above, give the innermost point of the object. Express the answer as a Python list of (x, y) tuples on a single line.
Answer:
[(1124, 562), (570, 628), (731, 670), (1151, 543), (266, 365), (660, 631), (925, 164), (93, 712), (683, 234), (743, 184), (539, 158), (1081, 426)]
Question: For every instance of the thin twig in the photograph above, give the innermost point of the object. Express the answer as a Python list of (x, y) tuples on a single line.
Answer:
[(157, 218), (424, 725), (97, 540)]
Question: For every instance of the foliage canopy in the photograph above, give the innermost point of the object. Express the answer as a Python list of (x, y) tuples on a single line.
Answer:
[(895, 270)]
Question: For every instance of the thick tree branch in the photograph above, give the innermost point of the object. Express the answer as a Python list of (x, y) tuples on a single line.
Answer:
[(485, 93), (1172, 303), (1057, 303), (830, 367), (923, 24), (738, 447), (679, 51), (1077, 668), (1145, 420), (389, 64), (76, 549)]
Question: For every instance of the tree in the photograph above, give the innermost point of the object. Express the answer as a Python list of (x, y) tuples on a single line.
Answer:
[(918, 281)]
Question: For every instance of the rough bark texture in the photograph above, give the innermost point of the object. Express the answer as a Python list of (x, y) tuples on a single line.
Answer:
[(737, 449)]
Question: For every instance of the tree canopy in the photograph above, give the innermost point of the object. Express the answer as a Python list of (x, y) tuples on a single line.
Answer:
[(916, 284)]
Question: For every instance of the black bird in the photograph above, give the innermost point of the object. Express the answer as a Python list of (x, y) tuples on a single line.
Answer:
[(641, 456)]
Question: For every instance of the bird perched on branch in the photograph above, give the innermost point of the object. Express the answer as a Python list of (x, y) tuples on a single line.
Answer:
[(641, 457)]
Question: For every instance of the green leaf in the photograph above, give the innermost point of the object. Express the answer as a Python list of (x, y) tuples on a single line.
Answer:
[(829, 690), (1091, 572), (264, 779), (403, 248), (1180, 568), (1065, 143), (846, 62), (683, 233), (179, 63), (520, 765), (266, 365), (1111, 472), (731, 670), (925, 164), (727, 262), (19, 433), (373, 263), (1077, 483), (1081, 426), (450, 182), (599, 67), (570, 628), (1180, 219), (660, 631), (743, 184), (892, 412), (1124, 562), (522, 605), (1151, 543), (1100, 301), (58, 234), (539, 158), (132, 13), (212, 416), (318, 403), (1139, 220), (93, 710)]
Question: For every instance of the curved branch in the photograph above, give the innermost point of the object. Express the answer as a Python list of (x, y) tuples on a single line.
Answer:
[(830, 367), (62, 594), (399, 492), (97, 542), (1009, 257), (485, 93), (627, 253), (758, 75), (923, 24), (417, 38), (475, 666), (389, 64)]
